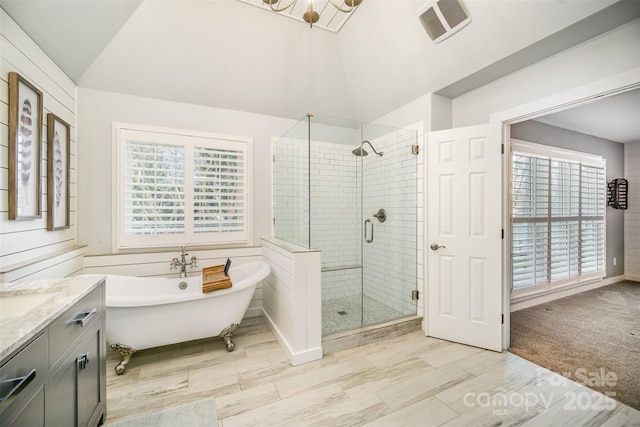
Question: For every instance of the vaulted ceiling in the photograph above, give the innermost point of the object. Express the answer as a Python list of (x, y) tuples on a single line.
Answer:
[(228, 54)]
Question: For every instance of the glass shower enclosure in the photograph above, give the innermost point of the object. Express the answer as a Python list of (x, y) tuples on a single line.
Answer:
[(350, 190)]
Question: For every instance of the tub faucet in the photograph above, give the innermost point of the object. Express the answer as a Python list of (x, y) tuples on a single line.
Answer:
[(183, 263)]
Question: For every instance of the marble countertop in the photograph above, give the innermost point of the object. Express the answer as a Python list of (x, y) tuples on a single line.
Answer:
[(29, 307)]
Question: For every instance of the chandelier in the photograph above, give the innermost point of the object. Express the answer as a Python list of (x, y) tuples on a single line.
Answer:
[(311, 16)]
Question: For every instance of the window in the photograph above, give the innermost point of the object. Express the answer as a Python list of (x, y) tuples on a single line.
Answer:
[(558, 224), (179, 187)]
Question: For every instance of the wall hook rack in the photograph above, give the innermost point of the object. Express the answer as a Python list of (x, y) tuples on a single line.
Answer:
[(617, 191)]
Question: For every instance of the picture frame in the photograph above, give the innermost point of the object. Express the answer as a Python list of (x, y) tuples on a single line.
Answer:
[(25, 149), (58, 171)]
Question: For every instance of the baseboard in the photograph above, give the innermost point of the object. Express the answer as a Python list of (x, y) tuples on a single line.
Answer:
[(306, 356), (632, 277), (253, 312), (295, 358), (562, 293)]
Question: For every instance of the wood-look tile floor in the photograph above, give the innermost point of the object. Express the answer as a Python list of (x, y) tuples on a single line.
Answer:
[(410, 380)]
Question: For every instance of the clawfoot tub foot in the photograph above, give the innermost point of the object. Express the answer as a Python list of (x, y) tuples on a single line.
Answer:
[(226, 336), (126, 353)]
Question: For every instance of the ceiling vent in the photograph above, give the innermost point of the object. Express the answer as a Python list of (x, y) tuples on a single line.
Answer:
[(443, 18)]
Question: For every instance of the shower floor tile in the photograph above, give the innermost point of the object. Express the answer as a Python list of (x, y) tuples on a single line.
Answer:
[(345, 313)]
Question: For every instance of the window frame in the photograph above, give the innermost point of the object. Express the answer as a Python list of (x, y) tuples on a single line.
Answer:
[(554, 153), (189, 139)]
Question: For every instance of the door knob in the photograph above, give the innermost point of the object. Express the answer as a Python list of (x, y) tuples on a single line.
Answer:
[(435, 247)]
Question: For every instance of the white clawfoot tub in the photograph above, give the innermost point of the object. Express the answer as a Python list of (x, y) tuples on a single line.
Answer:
[(145, 312)]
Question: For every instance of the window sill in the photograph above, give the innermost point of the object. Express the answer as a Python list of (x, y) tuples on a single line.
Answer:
[(540, 297)]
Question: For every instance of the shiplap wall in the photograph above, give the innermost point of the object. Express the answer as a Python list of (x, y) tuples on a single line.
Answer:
[(157, 264), (292, 301), (27, 249), (632, 214)]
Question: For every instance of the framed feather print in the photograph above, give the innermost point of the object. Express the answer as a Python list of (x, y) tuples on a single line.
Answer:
[(58, 159), (25, 142)]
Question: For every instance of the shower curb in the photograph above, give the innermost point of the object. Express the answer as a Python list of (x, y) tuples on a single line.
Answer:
[(355, 338)]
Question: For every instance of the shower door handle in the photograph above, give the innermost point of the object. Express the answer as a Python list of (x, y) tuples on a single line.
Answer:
[(365, 231)]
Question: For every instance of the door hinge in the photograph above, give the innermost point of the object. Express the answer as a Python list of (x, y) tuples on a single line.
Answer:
[(502, 149), (503, 319), (503, 233), (274, 158), (415, 149), (274, 220), (415, 295)]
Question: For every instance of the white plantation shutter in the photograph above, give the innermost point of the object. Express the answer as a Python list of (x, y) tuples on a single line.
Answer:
[(219, 190), (154, 189), (178, 187), (530, 254), (558, 207), (593, 194)]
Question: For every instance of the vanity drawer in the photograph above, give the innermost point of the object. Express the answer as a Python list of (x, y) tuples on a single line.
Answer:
[(21, 375), (65, 331)]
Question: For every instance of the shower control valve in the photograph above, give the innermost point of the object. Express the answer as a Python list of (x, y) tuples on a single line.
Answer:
[(381, 215)]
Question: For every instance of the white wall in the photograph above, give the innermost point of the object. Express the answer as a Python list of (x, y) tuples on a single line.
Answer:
[(27, 249), (335, 204), (632, 214), (99, 109), (432, 111), (610, 54)]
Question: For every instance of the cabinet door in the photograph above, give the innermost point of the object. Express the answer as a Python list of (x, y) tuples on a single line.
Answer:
[(60, 403), (89, 381), (32, 414), (74, 391)]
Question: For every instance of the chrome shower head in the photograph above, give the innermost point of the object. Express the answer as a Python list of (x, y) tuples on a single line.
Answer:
[(360, 151)]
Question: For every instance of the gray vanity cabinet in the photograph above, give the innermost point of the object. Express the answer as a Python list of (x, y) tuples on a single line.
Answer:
[(73, 393), (69, 359), (76, 392)]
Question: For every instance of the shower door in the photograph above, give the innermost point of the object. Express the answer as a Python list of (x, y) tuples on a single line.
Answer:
[(389, 223)]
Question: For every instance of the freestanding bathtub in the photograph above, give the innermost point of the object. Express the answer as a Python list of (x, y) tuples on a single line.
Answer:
[(145, 312)]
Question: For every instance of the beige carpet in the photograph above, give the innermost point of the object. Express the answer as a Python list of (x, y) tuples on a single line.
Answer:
[(584, 336)]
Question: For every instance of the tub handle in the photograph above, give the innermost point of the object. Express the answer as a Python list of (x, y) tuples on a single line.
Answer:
[(81, 318)]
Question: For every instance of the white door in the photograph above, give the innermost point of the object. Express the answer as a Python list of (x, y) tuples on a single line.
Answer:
[(464, 237)]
